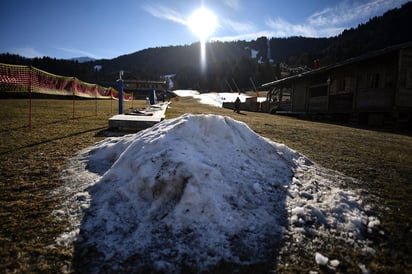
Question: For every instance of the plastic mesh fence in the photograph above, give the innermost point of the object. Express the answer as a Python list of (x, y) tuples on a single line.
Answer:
[(15, 78)]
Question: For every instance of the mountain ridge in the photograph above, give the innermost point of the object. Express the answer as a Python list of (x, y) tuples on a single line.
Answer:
[(237, 60)]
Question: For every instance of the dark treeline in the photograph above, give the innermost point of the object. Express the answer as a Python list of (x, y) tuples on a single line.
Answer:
[(238, 61)]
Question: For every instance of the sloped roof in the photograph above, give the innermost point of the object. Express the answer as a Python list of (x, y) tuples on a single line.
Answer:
[(352, 60)]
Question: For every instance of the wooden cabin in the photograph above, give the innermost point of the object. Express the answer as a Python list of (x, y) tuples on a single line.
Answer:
[(142, 88), (374, 87)]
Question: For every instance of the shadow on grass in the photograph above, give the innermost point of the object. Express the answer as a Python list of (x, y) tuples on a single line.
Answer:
[(45, 124), (393, 128), (113, 132), (50, 140)]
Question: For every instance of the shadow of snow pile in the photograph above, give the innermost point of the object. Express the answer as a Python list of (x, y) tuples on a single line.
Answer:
[(199, 193)]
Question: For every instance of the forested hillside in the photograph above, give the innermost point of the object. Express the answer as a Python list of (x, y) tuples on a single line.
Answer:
[(238, 61), (379, 32)]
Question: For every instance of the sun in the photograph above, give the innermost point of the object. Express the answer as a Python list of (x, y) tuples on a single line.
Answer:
[(202, 22)]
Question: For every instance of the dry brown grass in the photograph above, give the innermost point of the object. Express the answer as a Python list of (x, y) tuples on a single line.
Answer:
[(31, 162)]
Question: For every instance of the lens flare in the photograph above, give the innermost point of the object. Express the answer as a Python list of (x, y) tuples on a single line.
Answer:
[(202, 22)]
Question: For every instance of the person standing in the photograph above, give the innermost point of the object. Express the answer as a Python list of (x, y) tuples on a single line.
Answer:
[(237, 105)]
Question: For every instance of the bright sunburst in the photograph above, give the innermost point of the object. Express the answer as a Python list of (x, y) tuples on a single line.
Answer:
[(202, 22)]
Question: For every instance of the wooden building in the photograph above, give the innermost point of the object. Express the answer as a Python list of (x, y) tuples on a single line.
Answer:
[(142, 89), (374, 87)]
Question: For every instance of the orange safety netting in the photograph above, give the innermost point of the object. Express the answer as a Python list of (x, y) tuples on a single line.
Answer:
[(15, 78)]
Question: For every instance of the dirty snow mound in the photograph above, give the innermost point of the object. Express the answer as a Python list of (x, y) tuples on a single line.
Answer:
[(195, 191)]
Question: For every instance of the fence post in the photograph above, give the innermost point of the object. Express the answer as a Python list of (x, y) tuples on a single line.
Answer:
[(120, 96), (30, 89), (95, 98), (73, 106)]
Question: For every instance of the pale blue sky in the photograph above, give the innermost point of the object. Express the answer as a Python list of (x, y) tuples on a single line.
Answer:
[(110, 28)]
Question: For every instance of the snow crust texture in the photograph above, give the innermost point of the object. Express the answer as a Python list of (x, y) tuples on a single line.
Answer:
[(197, 191)]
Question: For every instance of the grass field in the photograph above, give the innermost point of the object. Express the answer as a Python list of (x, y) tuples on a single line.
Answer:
[(32, 160)]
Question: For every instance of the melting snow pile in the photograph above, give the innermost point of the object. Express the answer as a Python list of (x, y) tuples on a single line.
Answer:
[(214, 98), (196, 191)]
